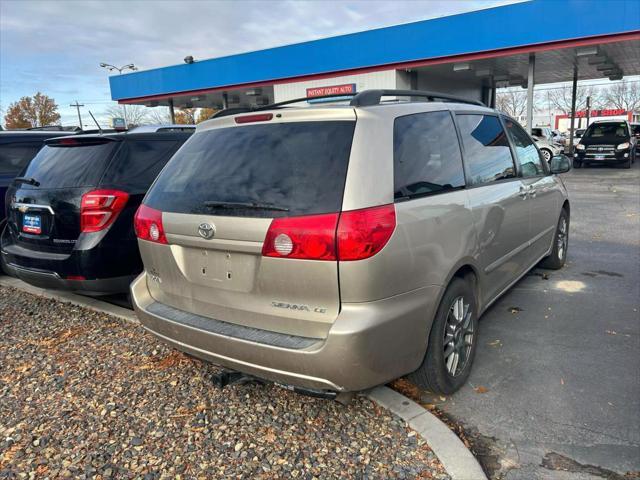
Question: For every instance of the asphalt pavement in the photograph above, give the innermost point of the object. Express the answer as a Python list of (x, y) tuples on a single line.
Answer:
[(555, 389)]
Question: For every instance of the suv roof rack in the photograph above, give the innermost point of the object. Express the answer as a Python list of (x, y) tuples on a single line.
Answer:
[(366, 98)]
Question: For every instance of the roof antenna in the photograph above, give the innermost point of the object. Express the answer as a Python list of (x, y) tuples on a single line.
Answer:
[(96, 122)]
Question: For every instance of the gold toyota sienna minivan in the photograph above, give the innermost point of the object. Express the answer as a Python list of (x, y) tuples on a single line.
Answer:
[(335, 248)]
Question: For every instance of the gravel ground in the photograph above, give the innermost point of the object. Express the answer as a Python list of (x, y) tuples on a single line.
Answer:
[(86, 395)]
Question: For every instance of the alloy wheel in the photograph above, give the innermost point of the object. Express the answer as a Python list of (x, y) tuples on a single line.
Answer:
[(563, 238), (458, 336)]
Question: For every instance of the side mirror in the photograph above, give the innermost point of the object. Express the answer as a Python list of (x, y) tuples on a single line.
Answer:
[(560, 164)]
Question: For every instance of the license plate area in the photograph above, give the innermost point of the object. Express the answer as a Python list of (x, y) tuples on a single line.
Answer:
[(216, 268), (32, 224), (600, 157)]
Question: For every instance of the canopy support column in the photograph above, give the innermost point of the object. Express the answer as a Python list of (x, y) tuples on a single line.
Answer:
[(574, 90), (530, 85), (172, 112)]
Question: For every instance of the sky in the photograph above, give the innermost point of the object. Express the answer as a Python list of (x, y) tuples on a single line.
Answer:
[(55, 47)]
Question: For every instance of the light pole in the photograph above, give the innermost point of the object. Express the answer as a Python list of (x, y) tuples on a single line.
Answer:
[(111, 68)]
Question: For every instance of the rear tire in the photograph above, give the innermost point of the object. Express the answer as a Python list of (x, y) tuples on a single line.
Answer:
[(558, 256), (452, 341)]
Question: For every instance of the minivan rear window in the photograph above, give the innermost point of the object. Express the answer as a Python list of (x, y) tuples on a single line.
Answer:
[(298, 168), (69, 166)]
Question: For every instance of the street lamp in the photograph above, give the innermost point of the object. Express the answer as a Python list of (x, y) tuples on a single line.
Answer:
[(111, 68)]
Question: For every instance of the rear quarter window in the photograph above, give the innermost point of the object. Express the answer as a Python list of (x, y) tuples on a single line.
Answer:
[(298, 167), (426, 155), (70, 166)]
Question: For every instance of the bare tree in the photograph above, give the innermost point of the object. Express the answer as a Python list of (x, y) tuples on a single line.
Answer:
[(159, 116), (560, 98), (136, 114), (512, 102), (624, 95)]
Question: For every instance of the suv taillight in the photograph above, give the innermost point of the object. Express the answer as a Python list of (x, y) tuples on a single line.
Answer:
[(148, 225), (100, 208), (352, 235)]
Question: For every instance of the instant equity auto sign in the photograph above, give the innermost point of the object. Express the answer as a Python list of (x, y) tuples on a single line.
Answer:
[(336, 90)]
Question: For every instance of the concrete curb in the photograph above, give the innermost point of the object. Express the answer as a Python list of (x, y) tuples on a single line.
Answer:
[(456, 458), (67, 297)]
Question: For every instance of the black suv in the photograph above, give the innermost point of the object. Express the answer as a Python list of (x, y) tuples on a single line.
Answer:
[(70, 213), (17, 148), (607, 142)]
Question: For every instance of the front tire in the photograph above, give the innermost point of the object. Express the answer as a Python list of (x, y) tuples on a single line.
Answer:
[(577, 163), (452, 341), (558, 256), (627, 163)]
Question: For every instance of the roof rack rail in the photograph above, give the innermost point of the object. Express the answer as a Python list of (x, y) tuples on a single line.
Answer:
[(367, 98), (273, 106)]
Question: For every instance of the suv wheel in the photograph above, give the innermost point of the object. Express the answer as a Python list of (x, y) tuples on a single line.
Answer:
[(577, 163), (627, 163), (558, 256), (452, 341)]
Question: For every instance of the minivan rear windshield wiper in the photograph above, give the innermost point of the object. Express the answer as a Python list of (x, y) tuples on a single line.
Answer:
[(27, 180), (240, 205)]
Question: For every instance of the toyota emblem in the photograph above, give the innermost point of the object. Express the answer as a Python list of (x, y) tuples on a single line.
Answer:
[(206, 230)]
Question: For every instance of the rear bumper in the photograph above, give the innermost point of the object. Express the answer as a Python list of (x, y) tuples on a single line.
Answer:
[(51, 280), (369, 343), (105, 270)]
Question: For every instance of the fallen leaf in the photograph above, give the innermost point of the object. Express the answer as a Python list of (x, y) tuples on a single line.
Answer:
[(495, 343), (515, 309), (562, 381), (611, 332), (481, 389)]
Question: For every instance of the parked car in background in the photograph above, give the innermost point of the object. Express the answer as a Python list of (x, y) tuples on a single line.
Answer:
[(635, 128), (337, 248), (17, 148), (577, 135), (547, 148), (70, 214), (607, 142)]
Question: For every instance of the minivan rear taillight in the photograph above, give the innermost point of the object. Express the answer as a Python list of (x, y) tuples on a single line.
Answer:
[(100, 208), (352, 235), (148, 225)]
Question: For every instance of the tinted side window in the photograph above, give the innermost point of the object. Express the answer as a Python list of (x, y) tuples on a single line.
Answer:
[(486, 150), (15, 156), (426, 155), (526, 151), (138, 163)]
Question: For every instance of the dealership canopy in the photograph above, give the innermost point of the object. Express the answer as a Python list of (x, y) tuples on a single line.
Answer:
[(534, 42)]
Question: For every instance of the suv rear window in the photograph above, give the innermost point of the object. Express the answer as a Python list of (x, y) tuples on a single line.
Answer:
[(63, 166), (299, 167)]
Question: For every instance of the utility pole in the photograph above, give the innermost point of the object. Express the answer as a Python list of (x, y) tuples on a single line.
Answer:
[(588, 110), (78, 105)]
